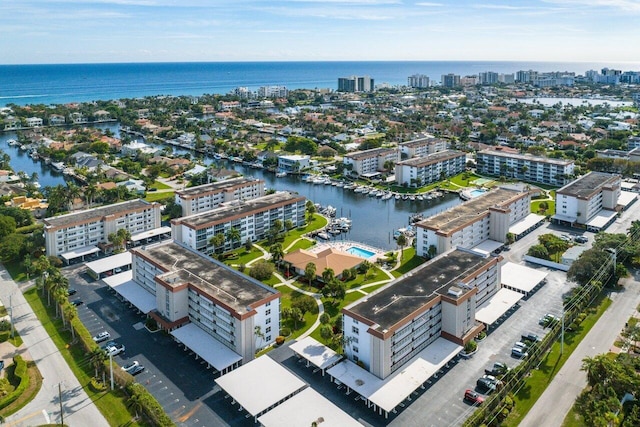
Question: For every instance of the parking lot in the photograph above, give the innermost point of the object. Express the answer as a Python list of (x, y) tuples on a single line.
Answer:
[(181, 384)]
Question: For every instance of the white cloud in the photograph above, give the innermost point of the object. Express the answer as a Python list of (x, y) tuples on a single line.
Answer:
[(622, 5)]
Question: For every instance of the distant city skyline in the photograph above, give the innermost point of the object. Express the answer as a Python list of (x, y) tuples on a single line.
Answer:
[(103, 31)]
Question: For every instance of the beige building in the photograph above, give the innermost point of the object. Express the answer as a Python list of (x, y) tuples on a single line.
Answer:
[(438, 299), (192, 288), (370, 162), (77, 234), (206, 197), (422, 147), (332, 258), (420, 171), (469, 224)]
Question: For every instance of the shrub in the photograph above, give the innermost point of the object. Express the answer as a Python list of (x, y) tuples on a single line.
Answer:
[(261, 270), (150, 405), (285, 332), (97, 385), (22, 377), (470, 347), (280, 340)]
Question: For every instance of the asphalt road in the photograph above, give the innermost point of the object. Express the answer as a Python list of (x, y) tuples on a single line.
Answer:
[(79, 410)]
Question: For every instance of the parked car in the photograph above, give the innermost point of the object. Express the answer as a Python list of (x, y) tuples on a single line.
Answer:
[(519, 352), (136, 370), (581, 239), (131, 366), (114, 350), (520, 344), (77, 302), (498, 368), (487, 382), (547, 320), (473, 397), (72, 291), (102, 336), (530, 337)]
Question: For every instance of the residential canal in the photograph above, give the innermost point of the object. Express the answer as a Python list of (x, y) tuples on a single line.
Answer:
[(373, 220)]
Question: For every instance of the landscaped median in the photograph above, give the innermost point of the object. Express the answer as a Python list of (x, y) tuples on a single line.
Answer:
[(118, 406), (24, 379)]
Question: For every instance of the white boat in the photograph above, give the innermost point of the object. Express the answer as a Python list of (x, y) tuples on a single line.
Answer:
[(13, 142), (398, 197), (281, 174), (387, 196), (323, 235), (412, 198), (420, 197)]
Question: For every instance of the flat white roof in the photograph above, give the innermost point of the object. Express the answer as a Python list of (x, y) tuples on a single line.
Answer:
[(260, 384), (601, 218), (565, 218), (626, 198), (498, 305), (123, 284), (525, 223), (318, 354), (111, 262), (303, 409), (486, 247), (150, 233), (390, 392), (518, 276), (204, 345), (86, 250)]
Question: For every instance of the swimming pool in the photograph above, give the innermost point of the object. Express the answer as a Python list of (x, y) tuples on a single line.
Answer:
[(476, 193), (362, 253)]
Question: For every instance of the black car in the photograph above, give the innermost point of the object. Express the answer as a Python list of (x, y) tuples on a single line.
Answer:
[(77, 302), (72, 291), (136, 370), (530, 337)]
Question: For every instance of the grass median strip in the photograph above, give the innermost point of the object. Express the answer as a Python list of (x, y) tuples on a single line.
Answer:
[(112, 403)]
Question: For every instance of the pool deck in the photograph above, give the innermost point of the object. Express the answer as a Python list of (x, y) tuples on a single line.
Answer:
[(343, 245)]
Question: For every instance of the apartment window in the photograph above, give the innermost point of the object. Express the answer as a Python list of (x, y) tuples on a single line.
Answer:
[(268, 329), (268, 312), (268, 338), (355, 330), (355, 349), (268, 320)]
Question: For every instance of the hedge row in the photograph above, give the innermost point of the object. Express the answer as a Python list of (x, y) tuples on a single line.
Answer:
[(20, 373), (150, 406), (29, 228)]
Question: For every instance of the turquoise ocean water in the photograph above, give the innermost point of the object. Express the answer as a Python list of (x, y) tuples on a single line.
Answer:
[(63, 83)]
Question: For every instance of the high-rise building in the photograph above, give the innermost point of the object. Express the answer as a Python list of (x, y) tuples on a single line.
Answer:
[(450, 80), (526, 76), (355, 84), (418, 81), (273, 92), (488, 78)]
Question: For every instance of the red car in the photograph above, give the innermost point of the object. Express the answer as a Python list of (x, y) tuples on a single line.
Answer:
[(473, 397)]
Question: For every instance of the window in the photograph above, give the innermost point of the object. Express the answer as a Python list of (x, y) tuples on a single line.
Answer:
[(268, 320), (355, 349), (268, 338), (355, 330), (268, 329), (268, 312)]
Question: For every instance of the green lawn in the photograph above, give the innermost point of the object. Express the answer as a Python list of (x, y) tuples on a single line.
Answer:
[(551, 209), (160, 186), (302, 244), (111, 404), (16, 270), (244, 256), (540, 378), (288, 295), (155, 196), (409, 261)]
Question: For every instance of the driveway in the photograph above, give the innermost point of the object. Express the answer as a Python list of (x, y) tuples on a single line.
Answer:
[(79, 410)]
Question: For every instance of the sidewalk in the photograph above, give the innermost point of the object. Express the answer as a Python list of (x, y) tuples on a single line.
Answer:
[(79, 411), (554, 404)]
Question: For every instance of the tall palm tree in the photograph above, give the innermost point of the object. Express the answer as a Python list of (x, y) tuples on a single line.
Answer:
[(97, 357), (233, 235), (310, 272), (73, 192), (135, 403), (328, 275), (276, 252), (89, 193)]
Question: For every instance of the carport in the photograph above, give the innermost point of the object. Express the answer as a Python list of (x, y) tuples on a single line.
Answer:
[(79, 252), (146, 235), (385, 395), (135, 294), (96, 268), (486, 247), (521, 279), (319, 355), (260, 385), (498, 305), (304, 409), (601, 220), (526, 225), (208, 348)]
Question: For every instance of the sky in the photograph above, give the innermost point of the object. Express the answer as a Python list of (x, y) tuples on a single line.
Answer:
[(99, 31)]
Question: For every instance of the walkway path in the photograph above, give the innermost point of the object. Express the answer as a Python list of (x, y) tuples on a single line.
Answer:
[(79, 410), (554, 404)]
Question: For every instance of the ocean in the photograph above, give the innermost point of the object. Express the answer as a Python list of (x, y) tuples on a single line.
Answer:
[(65, 83)]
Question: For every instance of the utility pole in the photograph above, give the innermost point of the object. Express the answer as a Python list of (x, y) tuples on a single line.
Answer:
[(111, 368), (61, 408)]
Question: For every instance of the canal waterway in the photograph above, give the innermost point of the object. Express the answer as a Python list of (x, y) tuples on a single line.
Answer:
[(373, 220)]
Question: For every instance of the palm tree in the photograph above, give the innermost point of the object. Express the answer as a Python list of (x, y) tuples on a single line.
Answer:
[(217, 241), (276, 252), (328, 275), (233, 234), (135, 403), (310, 272), (73, 192), (89, 193), (97, 358)]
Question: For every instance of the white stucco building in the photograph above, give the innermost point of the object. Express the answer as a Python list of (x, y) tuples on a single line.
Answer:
[(206, 197), (370, 162), (420, 171), (525, 167)]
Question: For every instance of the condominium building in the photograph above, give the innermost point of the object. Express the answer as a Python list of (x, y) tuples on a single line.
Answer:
[(418, 81), (206, 197), (190, 287), (438, 299), (450, 80), (471, 223), (420, 171), (356, 84), (252, 218), (77, 234), (488, 78), (370, 162), (581, 201), (525, 167), (293, 163), (273, 92), (422, 147)]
